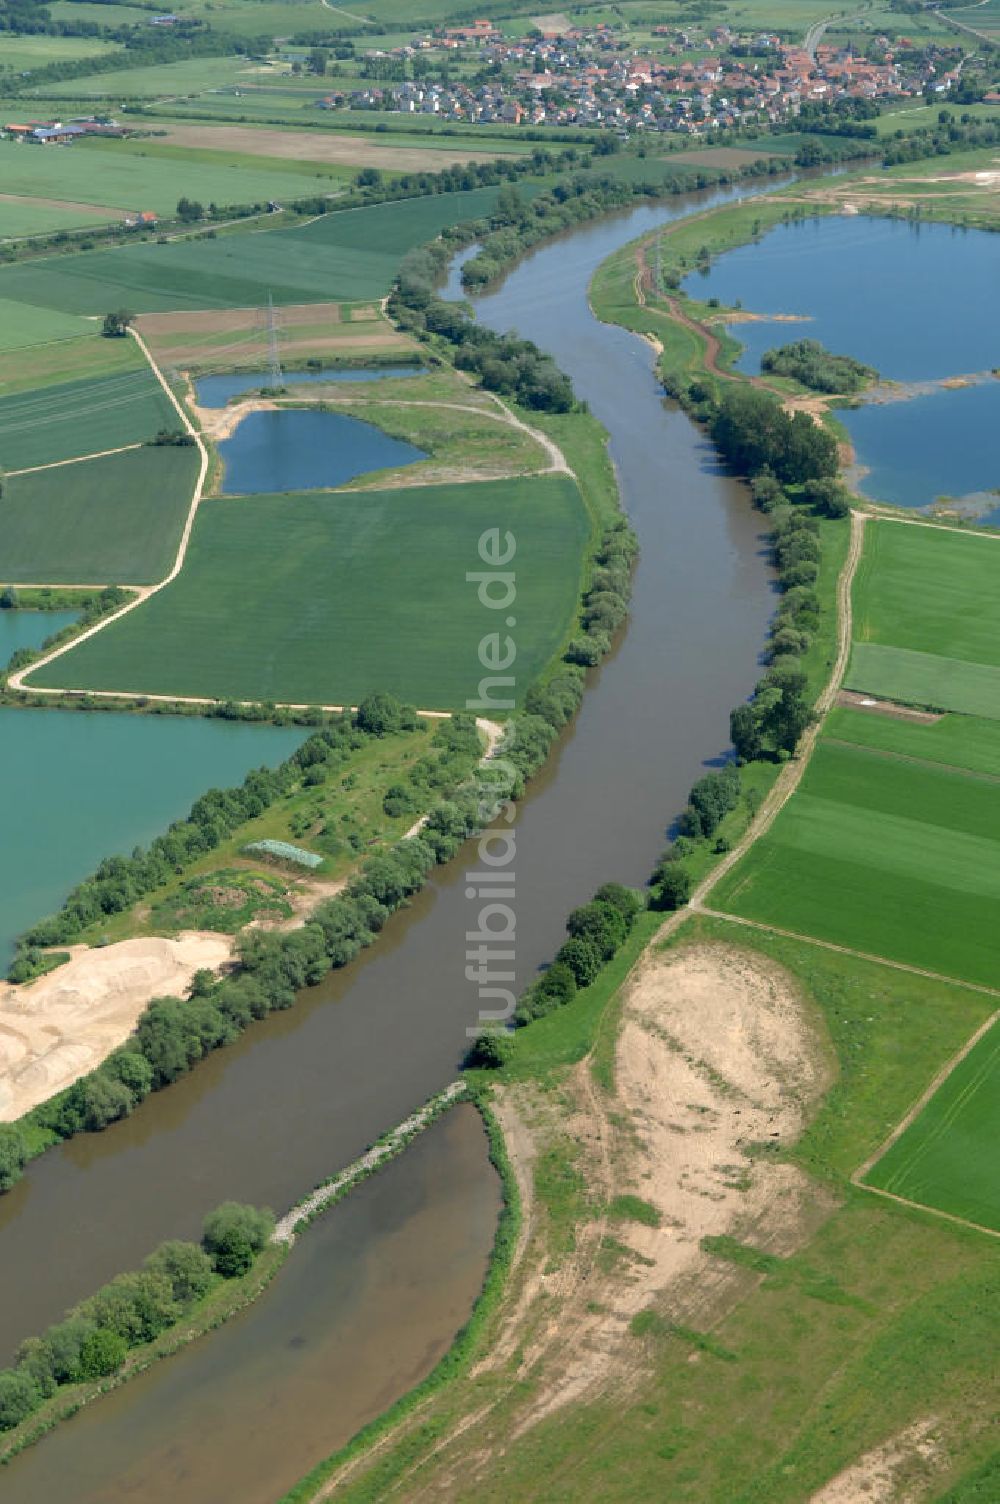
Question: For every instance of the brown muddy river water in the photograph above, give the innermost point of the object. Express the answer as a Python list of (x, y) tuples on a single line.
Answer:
[(368, 1301)]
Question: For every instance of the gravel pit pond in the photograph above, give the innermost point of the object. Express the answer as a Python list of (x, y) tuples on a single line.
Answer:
[(300, 450), (216, 391), (93, 784)]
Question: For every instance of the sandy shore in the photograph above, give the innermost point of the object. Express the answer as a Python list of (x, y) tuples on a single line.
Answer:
[(58, 1028)]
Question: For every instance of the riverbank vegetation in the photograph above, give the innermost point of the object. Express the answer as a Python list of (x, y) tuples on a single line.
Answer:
[(130, 1322)]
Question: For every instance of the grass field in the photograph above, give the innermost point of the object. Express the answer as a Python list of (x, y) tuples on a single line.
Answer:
[(925, 679), (119, 176), (20, 54), (52, 363), (115, 520), (959, 741), (21, 326), (927, 619), (934, 590), (946, 1158), (349, 255), (886, 856), (328, 596), (159, 80), (39, 427)]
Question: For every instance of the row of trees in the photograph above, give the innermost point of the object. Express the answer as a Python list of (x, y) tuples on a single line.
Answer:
[(605, 604), (504, 363), (753, 433), (94, 1340), (596, 932)]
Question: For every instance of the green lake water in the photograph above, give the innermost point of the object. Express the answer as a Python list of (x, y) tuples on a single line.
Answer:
[(29, 629), (78, 787)]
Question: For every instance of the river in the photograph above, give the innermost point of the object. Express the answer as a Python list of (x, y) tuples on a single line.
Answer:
[(304, 1092), (369, 1300)]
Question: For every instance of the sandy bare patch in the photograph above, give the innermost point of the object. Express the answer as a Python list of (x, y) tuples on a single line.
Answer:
[(887, 707), (716, 1055), (321, 147), (58, 1028), (874, 1478)]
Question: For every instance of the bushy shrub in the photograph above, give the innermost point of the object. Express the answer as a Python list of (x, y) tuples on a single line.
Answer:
[(234, 1234)]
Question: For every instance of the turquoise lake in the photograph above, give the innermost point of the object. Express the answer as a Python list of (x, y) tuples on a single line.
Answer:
[(303, 450), (216, 391), (868, 287), (29, 629), (92, 784)]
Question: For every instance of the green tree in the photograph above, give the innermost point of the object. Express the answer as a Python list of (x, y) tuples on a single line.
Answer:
[(379, 714), (745, 734), (674, 887), (234, 1234), (13, 1155), (8, 598), (187, 1267), (489, 1050), (601, 923), (189, 210), (18, 1398), (102, 1353), (582, 957), (116, 323)]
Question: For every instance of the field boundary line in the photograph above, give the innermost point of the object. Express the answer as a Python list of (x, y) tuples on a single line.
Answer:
[(143, 593), (78, 459), (937, 527), (940, 1078), (849, 950), (921, 1206)]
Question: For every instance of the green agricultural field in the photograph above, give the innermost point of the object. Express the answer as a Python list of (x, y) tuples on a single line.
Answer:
[(934, 590), (350, 255), (116, 520), (90, 10), (56, 361), (927, 619), (890, 857), (946, 1158), (20, 54), (925, 679), (160, 80), (23, 216), (120, 176), (960, 741), (21, 326), (326, 596), (38, 427)]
